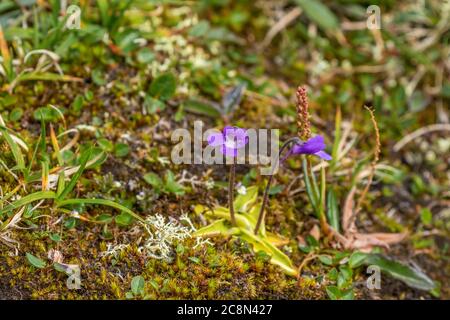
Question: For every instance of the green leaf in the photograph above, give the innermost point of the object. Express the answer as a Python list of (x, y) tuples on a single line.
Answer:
[(40, 195), (124, 219), (200, 29), (55, 237), (245, 227), (129, 295), (344, 278), (412, 277), (202, 108), (121, 150), (243, 202), (337, 138), (171, 185), (195, 260), (333, 292), (332, 209), (137, 285), (277, 257), (35, 261), (46, 76), (145, 55), (310, 189), (426, 216), (104, 202), (104, 218), (154, 284), (252, 215), (77, 104), (357, 259), (274, 190), (89, 95), (163, 87), (46, 114), (326, 260), (98, 77), (347, 295), (179, 115), (70, 223), (60, 267), (153, 105), (232, 98), (242, 220), (61, 183), (219, 227), (320, 14), (333, 274), (15, 114), (15, 149), (105, 144), (154, 180), (445, 92)]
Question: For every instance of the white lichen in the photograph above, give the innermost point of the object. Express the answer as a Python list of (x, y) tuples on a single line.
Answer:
[(162, 234), (113, 249)]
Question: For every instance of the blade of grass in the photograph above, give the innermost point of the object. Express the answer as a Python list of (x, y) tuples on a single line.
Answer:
[(314, 183), (61, 183), (61, 115), (104, 202), (323, 188), (5, 166), (44, 175), (46, 76), (337, 138), (73, 181), (40, 195), (36, 33), (332, 209), (56, 146), (9, 195), (7, 61), (17, 139), (103, 9), (43, 156), (15, 149), (33, 158), (313, 197)]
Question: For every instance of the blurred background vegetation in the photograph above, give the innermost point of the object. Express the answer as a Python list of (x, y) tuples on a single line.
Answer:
[(135, 70)]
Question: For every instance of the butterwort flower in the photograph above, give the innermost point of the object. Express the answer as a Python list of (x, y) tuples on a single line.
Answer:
[(314, 146), (231, 140)]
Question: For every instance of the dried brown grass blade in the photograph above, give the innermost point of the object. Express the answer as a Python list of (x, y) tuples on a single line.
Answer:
[(347, 210)]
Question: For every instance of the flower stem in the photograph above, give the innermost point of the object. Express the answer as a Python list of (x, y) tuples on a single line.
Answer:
[(231, 191), (269, 183), (322, 214)]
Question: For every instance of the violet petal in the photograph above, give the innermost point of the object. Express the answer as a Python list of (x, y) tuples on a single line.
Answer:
[(323, 155), (311, 146), (215, 139)]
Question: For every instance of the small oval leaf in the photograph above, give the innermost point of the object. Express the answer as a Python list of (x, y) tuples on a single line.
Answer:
[(35, 261)]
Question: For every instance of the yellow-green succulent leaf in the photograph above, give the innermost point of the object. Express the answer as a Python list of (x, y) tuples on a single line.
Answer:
[(243, 202)]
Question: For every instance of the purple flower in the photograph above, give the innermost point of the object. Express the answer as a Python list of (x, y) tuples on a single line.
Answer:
[(314, 146), (231, 140)]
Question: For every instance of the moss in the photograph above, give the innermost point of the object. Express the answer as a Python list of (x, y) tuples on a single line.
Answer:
[(229, 269), (211, 273)]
